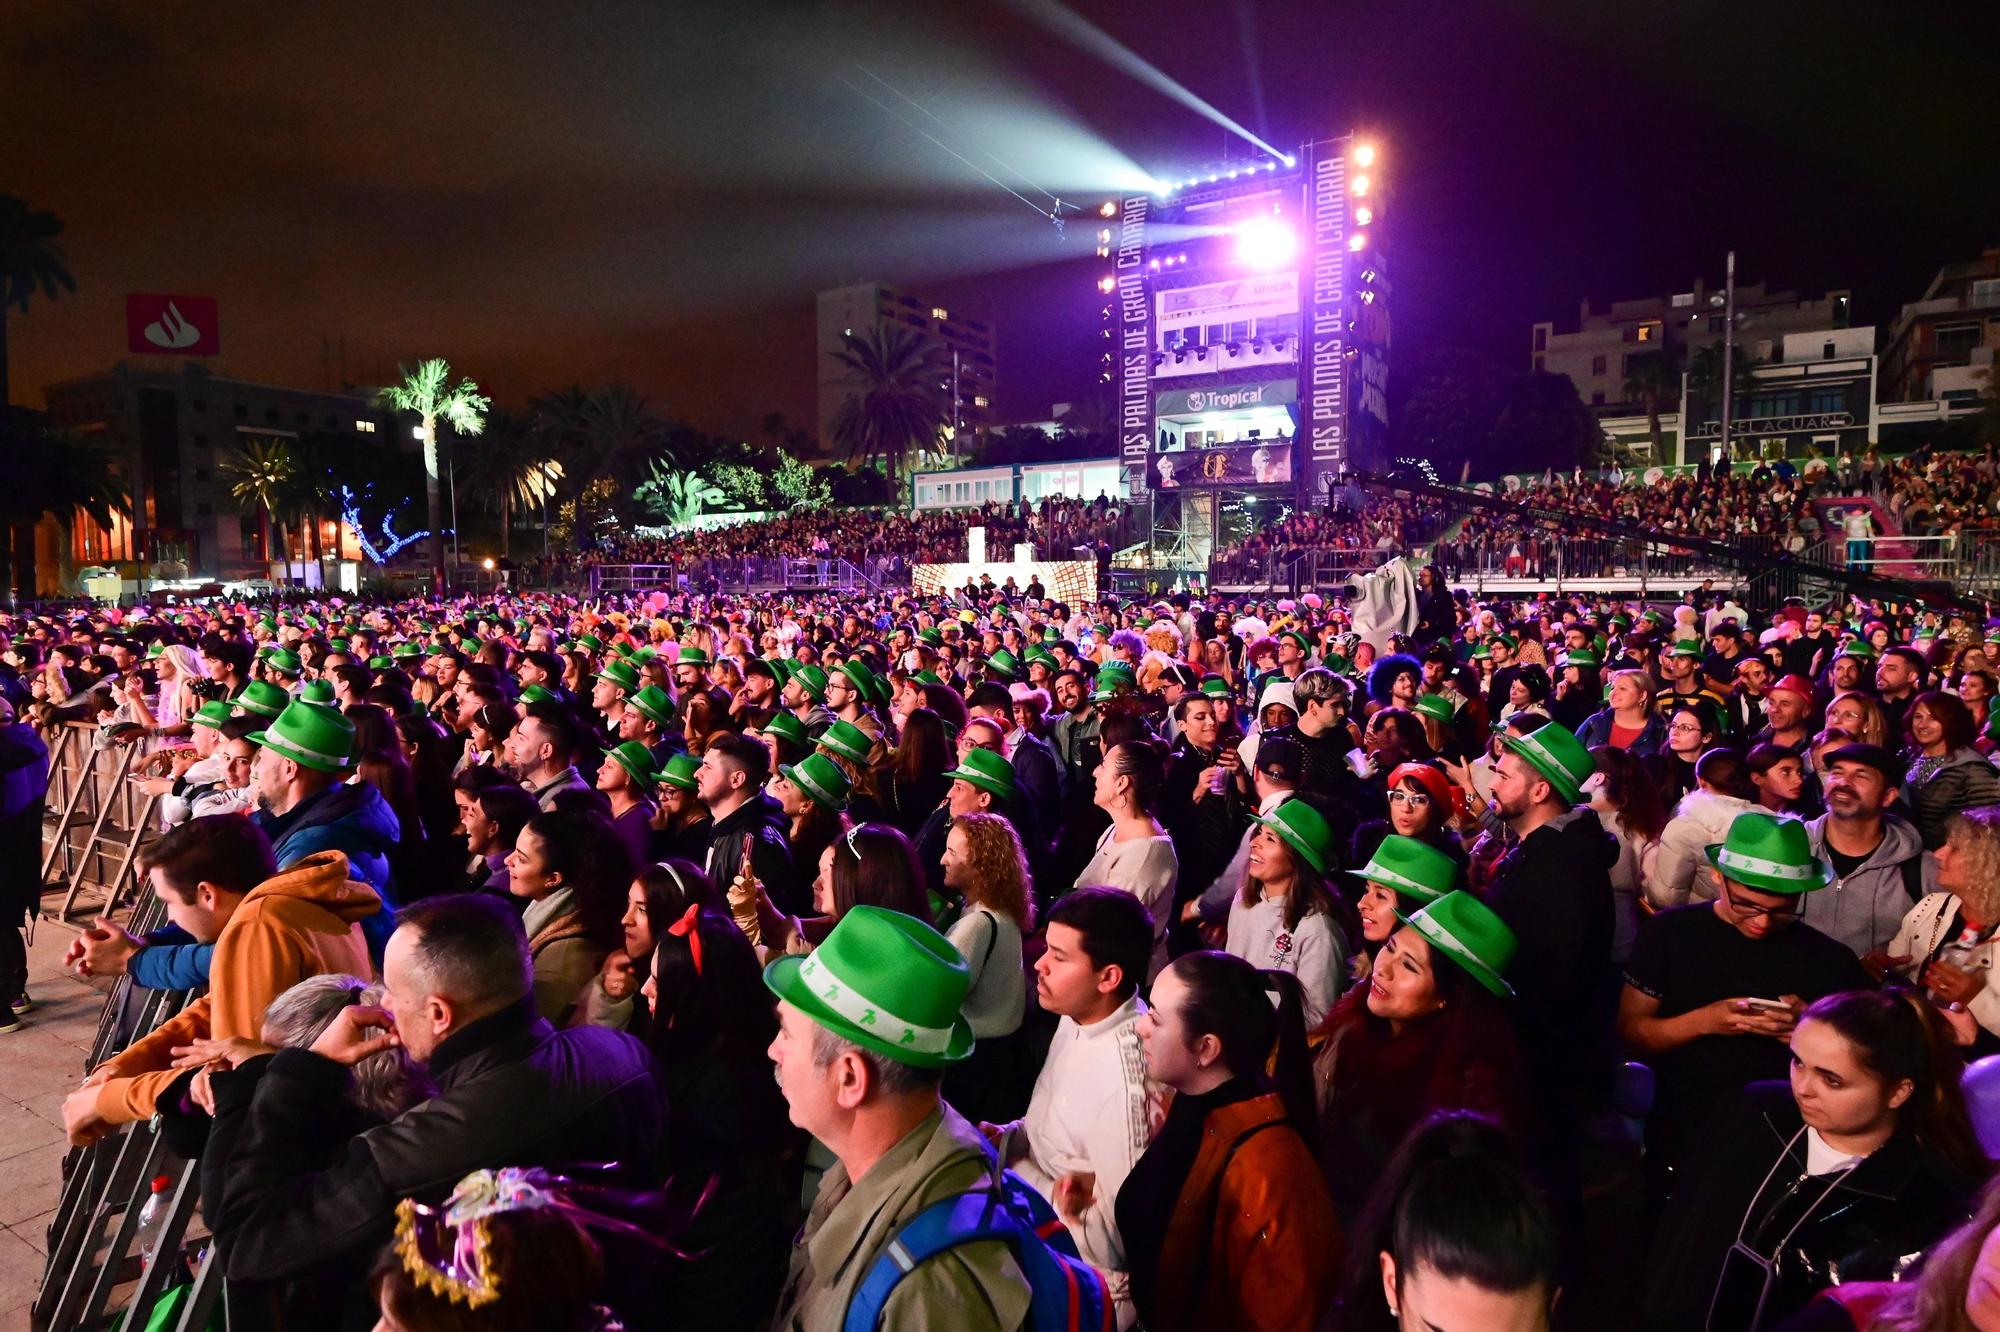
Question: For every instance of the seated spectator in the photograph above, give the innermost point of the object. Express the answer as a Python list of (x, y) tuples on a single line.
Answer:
[(1877, 856), (1946, 773), (1945, 944), (1680, 871)]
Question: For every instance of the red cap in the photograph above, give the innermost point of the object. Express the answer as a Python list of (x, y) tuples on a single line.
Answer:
[(1795, 684)]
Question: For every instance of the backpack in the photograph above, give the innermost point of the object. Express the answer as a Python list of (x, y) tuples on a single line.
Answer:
[(1067, 1294)]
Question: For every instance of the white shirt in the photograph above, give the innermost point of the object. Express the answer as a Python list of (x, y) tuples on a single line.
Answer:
[(1312, 950), (1145, 867), (1824, 1160), (1094, 1109)]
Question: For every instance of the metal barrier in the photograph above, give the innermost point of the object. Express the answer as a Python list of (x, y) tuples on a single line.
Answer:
[(96, 824)]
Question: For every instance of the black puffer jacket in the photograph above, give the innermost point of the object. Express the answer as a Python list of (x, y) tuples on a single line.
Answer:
[(764, 822), (1554, 892), (512, 1090)]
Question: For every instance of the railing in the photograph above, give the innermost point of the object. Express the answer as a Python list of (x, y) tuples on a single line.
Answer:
[(752, 573)]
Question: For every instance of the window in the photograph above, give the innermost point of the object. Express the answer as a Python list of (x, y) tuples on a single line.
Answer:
[(1953, 343), (1597, 365), (365, 427), (1823, 400), (1986, 291), (939, 312), (1647, 332), (1541, 339)]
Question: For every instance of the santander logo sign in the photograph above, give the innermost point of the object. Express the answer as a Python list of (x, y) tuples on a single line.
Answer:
[(174, 324)]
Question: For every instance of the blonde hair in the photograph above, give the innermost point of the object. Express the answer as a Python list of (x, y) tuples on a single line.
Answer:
[(1874, 722), (1643, 679), (999, 879), (1974, 837)]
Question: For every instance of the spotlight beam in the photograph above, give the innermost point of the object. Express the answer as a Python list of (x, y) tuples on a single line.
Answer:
[(946, 126), (1053, 214), (1093, 40)]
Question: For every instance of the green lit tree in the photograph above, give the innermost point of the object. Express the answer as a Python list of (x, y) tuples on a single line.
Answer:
[(675, 497), (428, 392)]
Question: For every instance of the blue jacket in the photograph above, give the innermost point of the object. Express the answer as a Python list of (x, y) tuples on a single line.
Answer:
[(1596, 730), (354, 820)]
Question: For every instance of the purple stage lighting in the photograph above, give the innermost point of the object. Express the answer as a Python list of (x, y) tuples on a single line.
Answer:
[(1265, 242)]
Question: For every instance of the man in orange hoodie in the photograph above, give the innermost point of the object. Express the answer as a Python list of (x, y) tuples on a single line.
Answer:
[(220, 883)]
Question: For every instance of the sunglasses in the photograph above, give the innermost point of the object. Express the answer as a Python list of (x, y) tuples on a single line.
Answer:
[(1789, 911)]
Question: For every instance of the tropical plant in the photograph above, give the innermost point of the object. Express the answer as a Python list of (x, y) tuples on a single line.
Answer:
[(51, 475), (30, 262), (898, 399), (742, 484), (429, 393), (514, 464), (674, 496), (798, 486), (1653, 382), (263, 469)]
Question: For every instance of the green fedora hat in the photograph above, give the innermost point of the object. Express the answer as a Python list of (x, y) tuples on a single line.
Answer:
[(1039, 654), (632, 757), (311, 736), (786, 727), (1214, 686), (1581, 657), (888, 982), (381, 663), (986, 770), (1002, 663), (1468, 932), (679, 772), (1683, 647), (1435, 706), (847, 740), (1116, 672), (781, 669), (319, 693), (1411, 867), (590, 642), (407, 651), (692, 656), (156, 650), (653, 704), (819, 777), (284, 661), (336, 645), (211, 714), (537, 694), (1771, 853), (262, 698), (1860, 649), (1302, 828), (811, 678), (622, 674), (1553, 750), (858, 675)]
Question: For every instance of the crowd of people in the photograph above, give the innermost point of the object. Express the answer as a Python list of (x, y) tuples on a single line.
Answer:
[(1541, 962)]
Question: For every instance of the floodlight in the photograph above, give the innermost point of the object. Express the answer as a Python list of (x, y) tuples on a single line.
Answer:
[(1264, 242)]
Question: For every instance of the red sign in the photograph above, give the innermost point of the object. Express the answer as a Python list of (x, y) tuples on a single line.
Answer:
[(172, 325)]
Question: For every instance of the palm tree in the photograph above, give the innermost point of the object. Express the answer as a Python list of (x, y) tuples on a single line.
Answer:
[(52, 475), (311, 489), (677, 497), (514, 463), (899, 383), (429, 392), (30, 262), (1652, 382), (264, 469)]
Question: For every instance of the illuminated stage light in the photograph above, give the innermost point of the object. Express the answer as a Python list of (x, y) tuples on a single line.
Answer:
[(1107, 209), (1264, 242), (1358, 186), (1289, 160), (1358, 241), (1364, 154), (1107, 284), (1364, 215)]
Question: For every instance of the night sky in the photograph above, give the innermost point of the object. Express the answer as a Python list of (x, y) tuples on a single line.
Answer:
[(549, 194)]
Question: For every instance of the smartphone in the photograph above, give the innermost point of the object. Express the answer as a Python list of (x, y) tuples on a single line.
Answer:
[(1768, 1005)]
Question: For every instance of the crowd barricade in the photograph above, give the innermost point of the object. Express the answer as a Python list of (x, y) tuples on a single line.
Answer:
[(97, 822)]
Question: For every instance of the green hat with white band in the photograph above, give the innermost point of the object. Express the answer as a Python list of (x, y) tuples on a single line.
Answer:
[(1553, 750), (621, 673), (284, 661), (819, 777), (634, 758), (535, 693), (211, 714), (692, 656), (1435, 706), (261, 698), (679, 772), (886, 981), (1467, 931), (1770, 853), (811, 679), (1302, 828), (786, 727), (847, 740), (311, 736), (653, 704), (1411, 867), (319, 693), (1003, 664), (988, 771)]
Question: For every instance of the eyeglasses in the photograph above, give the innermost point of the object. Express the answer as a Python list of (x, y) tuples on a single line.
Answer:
[(1414, 799), (1789, 911)]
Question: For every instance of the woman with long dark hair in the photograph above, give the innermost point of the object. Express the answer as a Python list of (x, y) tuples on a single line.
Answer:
[(1428, 1031), (573, 870), (1135, 853), (1285, 917), (1629, 807), (1864, 1159), (1225, 1220), (915, 782), (710, 1022)]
